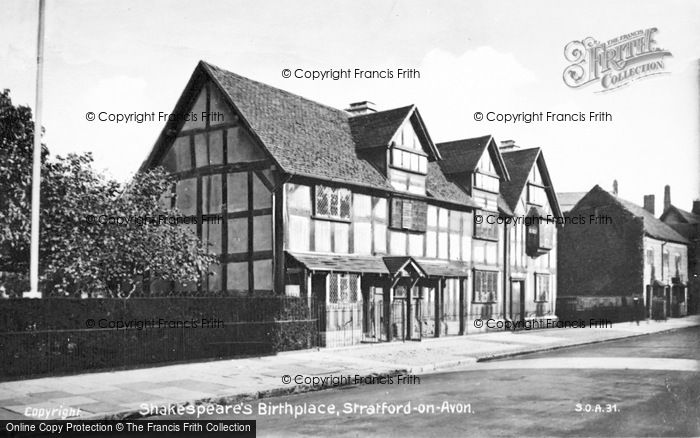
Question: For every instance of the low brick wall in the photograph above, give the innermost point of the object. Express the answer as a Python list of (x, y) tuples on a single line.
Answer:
[(611, 308)]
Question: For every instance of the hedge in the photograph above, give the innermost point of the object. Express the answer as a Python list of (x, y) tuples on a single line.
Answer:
[(51, 336)]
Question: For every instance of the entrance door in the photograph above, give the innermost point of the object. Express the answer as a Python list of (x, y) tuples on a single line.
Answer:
[(516, 303), (374, 315), (398, 319)]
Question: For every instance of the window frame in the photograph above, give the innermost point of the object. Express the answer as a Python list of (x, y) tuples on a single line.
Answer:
[(348, 287), (336, 197), (408, 154), (404, 207), (484, 223), (536, 188), (486, 177), (543, 279), (477, 296)]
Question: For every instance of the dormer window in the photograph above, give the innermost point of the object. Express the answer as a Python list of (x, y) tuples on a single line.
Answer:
[(486, 182), (407, 152), (485, 177), (536, 195), (413, 161)]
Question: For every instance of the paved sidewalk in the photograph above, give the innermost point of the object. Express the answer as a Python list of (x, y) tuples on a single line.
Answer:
[(119, 394)]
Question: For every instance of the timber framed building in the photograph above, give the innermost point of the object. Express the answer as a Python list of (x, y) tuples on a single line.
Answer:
[(388, 235)]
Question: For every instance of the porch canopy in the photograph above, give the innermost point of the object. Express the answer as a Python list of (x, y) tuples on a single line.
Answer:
[(390, 266), (341, 263)]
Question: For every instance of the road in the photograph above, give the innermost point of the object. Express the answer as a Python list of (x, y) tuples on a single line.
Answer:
[(644, 386)]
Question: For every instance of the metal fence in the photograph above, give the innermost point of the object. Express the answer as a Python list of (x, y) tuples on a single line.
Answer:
[(63, 335)]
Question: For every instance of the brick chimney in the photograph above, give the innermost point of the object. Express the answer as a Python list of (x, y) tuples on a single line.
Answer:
[(696, 206), (363, 107), (508, 145), (649, 201), (667, 197), (615, 187)]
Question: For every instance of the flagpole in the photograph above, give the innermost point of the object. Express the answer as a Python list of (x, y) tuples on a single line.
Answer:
[(36, 170)]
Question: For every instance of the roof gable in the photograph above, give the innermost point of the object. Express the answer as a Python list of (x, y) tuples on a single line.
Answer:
[(520, 164), (382, 128), (653, 227), (305, 138), (681, 215), (462, 156), (377, 129)]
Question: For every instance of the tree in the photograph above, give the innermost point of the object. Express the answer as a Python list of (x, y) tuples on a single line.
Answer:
[(97, 235), (102, 236), (16, 150)]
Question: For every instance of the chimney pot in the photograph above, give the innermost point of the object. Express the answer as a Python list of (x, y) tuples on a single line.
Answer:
[(615, 187), (362, 107), (507, 145), (649, 201), (667, 197), (696, 206)]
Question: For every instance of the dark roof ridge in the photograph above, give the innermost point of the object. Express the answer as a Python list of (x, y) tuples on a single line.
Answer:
[(380, 112), (640, 212), (513, 151)]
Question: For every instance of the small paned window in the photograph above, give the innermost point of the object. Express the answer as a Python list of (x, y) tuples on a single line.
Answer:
[(485, 286), (333, 202)]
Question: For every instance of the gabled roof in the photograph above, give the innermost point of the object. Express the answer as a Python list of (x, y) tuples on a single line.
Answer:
[(520, 163), (439, 186), (306, 138), (653, 227), (377, 129), (567, 200), (688, 217), (462, 156), (397, 266)]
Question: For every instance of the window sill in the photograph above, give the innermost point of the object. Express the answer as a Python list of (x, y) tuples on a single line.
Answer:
[(331, 219), (481, 189), (414, 172), (490, 239)]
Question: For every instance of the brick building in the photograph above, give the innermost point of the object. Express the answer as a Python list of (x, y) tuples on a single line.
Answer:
[(626, 253), (358, 211), (687, 224)]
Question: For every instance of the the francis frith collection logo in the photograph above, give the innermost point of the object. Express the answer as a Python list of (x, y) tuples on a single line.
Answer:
[(614, 63)]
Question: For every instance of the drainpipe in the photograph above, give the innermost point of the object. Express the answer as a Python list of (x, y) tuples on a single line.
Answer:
[(506, 269), (666, 301)]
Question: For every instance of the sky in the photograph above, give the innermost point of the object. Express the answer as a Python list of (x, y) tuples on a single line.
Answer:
[(487, 56)]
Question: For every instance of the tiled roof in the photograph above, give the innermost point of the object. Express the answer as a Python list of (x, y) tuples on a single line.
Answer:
[(688, 217), (341, 263), (653, 227), (503, 206), (440, 187), (462, 155), (397, 263), (519, 163), (378, 265), (445, 268), (304, 137), (377, 129), (310, 139)]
